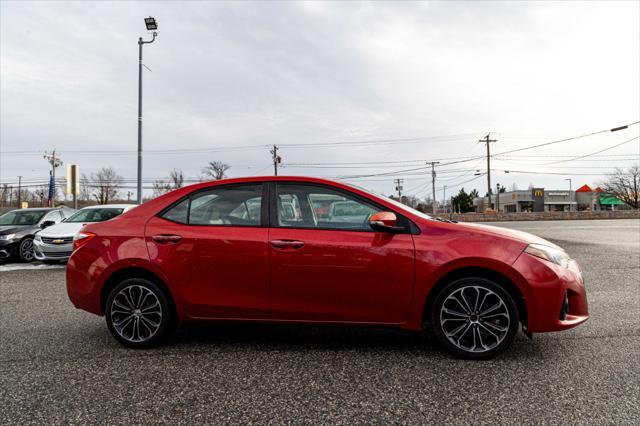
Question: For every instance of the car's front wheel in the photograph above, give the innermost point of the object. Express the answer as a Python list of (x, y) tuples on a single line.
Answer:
[(138, 313), (474, 318), (25, 249)]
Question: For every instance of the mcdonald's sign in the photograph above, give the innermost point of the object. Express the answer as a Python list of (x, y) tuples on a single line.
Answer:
[(537, 194)]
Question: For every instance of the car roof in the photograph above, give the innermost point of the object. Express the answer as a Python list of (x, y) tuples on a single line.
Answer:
[(259, 179), (110, 206), (36, 209)]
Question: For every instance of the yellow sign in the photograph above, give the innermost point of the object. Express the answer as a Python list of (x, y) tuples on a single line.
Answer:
[(537, 193), (73, 179), (24, 205)]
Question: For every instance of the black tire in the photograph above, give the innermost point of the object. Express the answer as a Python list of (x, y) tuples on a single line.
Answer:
[(463, 330), (154, 323), (25, 250)]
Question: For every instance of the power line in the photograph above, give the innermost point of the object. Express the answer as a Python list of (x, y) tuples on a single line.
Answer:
[(568, 139), (594, 153), (446, 138)]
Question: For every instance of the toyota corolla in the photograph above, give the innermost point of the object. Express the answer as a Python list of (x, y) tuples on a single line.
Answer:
[(307, 250)]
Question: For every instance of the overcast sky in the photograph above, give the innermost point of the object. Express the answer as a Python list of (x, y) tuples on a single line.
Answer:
[(420, 81)]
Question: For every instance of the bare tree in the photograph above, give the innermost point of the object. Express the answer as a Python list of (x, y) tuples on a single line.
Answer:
[(175, 181), (625, 185), (160, 187), (216, 170), (4, 193), (105, 184), (85, 188), (176, 177)]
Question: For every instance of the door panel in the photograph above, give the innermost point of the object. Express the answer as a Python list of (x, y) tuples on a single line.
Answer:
[(214, 251), (341, 275), (218, 271)]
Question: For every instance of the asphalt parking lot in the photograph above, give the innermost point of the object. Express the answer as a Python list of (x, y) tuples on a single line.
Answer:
[(60, 365)]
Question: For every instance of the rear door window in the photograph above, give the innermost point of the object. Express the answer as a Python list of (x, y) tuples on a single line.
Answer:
[(233, 205)]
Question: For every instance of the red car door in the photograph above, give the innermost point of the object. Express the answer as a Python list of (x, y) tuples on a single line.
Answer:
[(327, 264), (213, 250)]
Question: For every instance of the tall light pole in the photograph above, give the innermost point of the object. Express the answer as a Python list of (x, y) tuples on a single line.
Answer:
[(444, 199), (151, 26), (570, 195), (19, 192)]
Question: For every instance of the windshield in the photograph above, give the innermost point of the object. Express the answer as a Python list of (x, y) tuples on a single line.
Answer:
[(95, 215), (25, 217)]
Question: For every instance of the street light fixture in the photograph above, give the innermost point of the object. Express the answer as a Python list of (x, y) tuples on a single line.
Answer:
[(151, 24)]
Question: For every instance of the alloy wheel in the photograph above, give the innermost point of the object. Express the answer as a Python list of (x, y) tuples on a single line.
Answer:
[(474, 319), (136, 313), (26, 250)]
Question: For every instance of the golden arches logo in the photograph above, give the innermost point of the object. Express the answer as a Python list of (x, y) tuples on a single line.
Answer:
[(537, 193)]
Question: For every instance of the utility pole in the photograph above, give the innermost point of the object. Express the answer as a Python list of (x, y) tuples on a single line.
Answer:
[(444, 199), (151, 25), (19, 192), (433, 183), (55, 161), (498, 197), (488, 141), (276, 159), (398, 183)]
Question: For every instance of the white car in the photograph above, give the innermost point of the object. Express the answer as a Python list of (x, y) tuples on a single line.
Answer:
[(55, 243)]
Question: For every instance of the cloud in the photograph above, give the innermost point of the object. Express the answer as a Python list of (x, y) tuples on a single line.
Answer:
[(243, 74)]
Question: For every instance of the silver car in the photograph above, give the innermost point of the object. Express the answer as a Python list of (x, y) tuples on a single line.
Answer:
[(55, 243)]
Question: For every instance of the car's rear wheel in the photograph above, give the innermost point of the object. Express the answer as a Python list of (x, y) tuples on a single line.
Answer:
[(138, 313), (474, 318), (25, 249)]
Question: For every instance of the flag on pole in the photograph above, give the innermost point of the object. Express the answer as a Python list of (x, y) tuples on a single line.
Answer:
[(51, 190)]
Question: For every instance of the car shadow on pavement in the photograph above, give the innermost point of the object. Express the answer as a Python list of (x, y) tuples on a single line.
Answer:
[(300, 337), (305, 338)]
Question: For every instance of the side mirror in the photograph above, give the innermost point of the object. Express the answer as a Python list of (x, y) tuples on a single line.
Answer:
[(385, 222), (47, 223)]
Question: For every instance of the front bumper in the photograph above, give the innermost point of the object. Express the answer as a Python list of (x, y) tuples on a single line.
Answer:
[(9, 248), (557, 299), (44, 251)]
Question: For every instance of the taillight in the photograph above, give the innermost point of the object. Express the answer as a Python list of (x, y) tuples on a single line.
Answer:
[(81, 238)]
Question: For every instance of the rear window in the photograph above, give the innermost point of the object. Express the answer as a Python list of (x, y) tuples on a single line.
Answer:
[(95, 215)]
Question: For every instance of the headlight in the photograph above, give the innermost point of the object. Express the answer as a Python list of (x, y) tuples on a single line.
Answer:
[(550, 254), (7, 237)]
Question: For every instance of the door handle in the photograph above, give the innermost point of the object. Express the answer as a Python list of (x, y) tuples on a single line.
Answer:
[(164, 238), (284, 244)]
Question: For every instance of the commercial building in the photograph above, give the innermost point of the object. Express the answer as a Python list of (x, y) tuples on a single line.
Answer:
[(548, 200)]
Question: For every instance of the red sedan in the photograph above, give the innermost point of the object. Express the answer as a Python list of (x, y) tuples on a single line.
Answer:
[(306, 250)]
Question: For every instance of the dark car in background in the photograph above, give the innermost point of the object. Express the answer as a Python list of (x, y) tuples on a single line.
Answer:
[(18, 227)]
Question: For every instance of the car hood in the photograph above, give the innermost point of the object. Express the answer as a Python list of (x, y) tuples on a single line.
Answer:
[(62, 229), (522, 236), (13, 229)]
